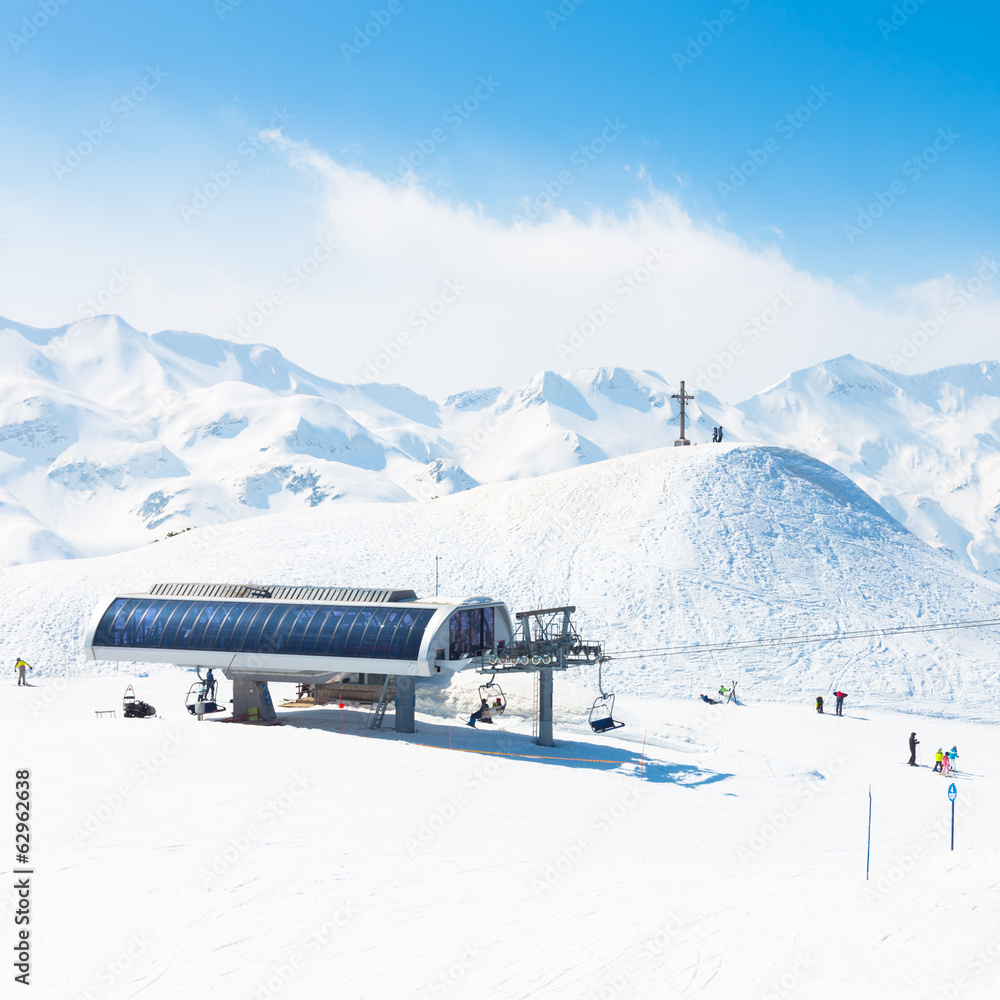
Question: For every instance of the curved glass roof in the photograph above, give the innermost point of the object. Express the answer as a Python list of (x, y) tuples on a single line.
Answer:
[(390, 632)]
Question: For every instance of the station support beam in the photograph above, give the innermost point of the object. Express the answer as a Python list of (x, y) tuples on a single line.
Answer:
[(545, 708), (406, 704), (252, 701)]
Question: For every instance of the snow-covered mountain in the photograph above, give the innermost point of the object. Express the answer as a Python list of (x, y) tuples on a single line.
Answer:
[(111, 438)]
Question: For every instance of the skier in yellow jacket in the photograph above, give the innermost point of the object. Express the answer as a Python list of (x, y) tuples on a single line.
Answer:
[(20, 667)]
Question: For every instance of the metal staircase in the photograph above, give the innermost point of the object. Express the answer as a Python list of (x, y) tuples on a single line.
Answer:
[(377, 712)]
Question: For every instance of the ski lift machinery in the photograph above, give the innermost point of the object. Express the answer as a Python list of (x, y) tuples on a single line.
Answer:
[(547, 641)]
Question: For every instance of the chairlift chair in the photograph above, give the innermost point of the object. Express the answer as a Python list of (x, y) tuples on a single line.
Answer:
[(602, 712), (201, 698), (492, 694)]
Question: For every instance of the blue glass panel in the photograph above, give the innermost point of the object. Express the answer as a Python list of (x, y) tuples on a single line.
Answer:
[(372, 632), (280, 626), (310, 639), (333, 639), (380, 631), (352, 642), (298, 630), (185, 623), (159, 628), (384, 638), (240, 621)]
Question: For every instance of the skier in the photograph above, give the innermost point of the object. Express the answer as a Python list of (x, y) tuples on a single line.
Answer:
[(708, 701), (946, 763), (819, 704), (913, 749), (485, 712), (208, 687), (938, 758), (720, 434), (20, 667), (715, 435), (953, 754), (840, 696)]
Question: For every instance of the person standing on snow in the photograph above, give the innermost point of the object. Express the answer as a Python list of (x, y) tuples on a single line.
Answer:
[(840, 696), (20, 667), (819, 704), (913, 749), (938, 757), (953, 754), (946, 763)]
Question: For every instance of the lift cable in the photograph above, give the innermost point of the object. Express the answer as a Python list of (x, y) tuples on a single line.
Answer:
[(789, 640)]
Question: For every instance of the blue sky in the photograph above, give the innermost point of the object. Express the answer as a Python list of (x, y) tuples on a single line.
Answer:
[(710, 101)]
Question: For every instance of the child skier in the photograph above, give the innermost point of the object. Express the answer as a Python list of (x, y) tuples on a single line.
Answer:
[(938, 758), (946, 763), (953, 754)]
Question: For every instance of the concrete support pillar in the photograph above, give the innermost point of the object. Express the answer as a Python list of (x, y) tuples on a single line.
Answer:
[(406, 704), (252, 701), (545, 708)]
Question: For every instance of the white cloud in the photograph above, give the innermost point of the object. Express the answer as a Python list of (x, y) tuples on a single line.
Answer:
[(523, 289)]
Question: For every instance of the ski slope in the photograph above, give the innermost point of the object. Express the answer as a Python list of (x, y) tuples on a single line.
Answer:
[(700, 852), (672, 547), (711, 852)]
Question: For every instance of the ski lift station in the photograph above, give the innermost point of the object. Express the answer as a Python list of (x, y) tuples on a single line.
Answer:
[(309, 635)]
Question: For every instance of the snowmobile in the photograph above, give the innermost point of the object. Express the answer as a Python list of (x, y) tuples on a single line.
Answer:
[(132, 708)]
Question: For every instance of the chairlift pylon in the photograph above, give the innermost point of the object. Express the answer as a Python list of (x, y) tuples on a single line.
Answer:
[(602, 717)]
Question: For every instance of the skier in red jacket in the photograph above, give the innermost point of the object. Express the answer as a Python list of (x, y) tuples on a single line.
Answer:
[(840, 696)]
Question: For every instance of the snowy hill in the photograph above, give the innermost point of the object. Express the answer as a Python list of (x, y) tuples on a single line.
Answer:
[(663, 548), (927, 447), (111, 438)]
